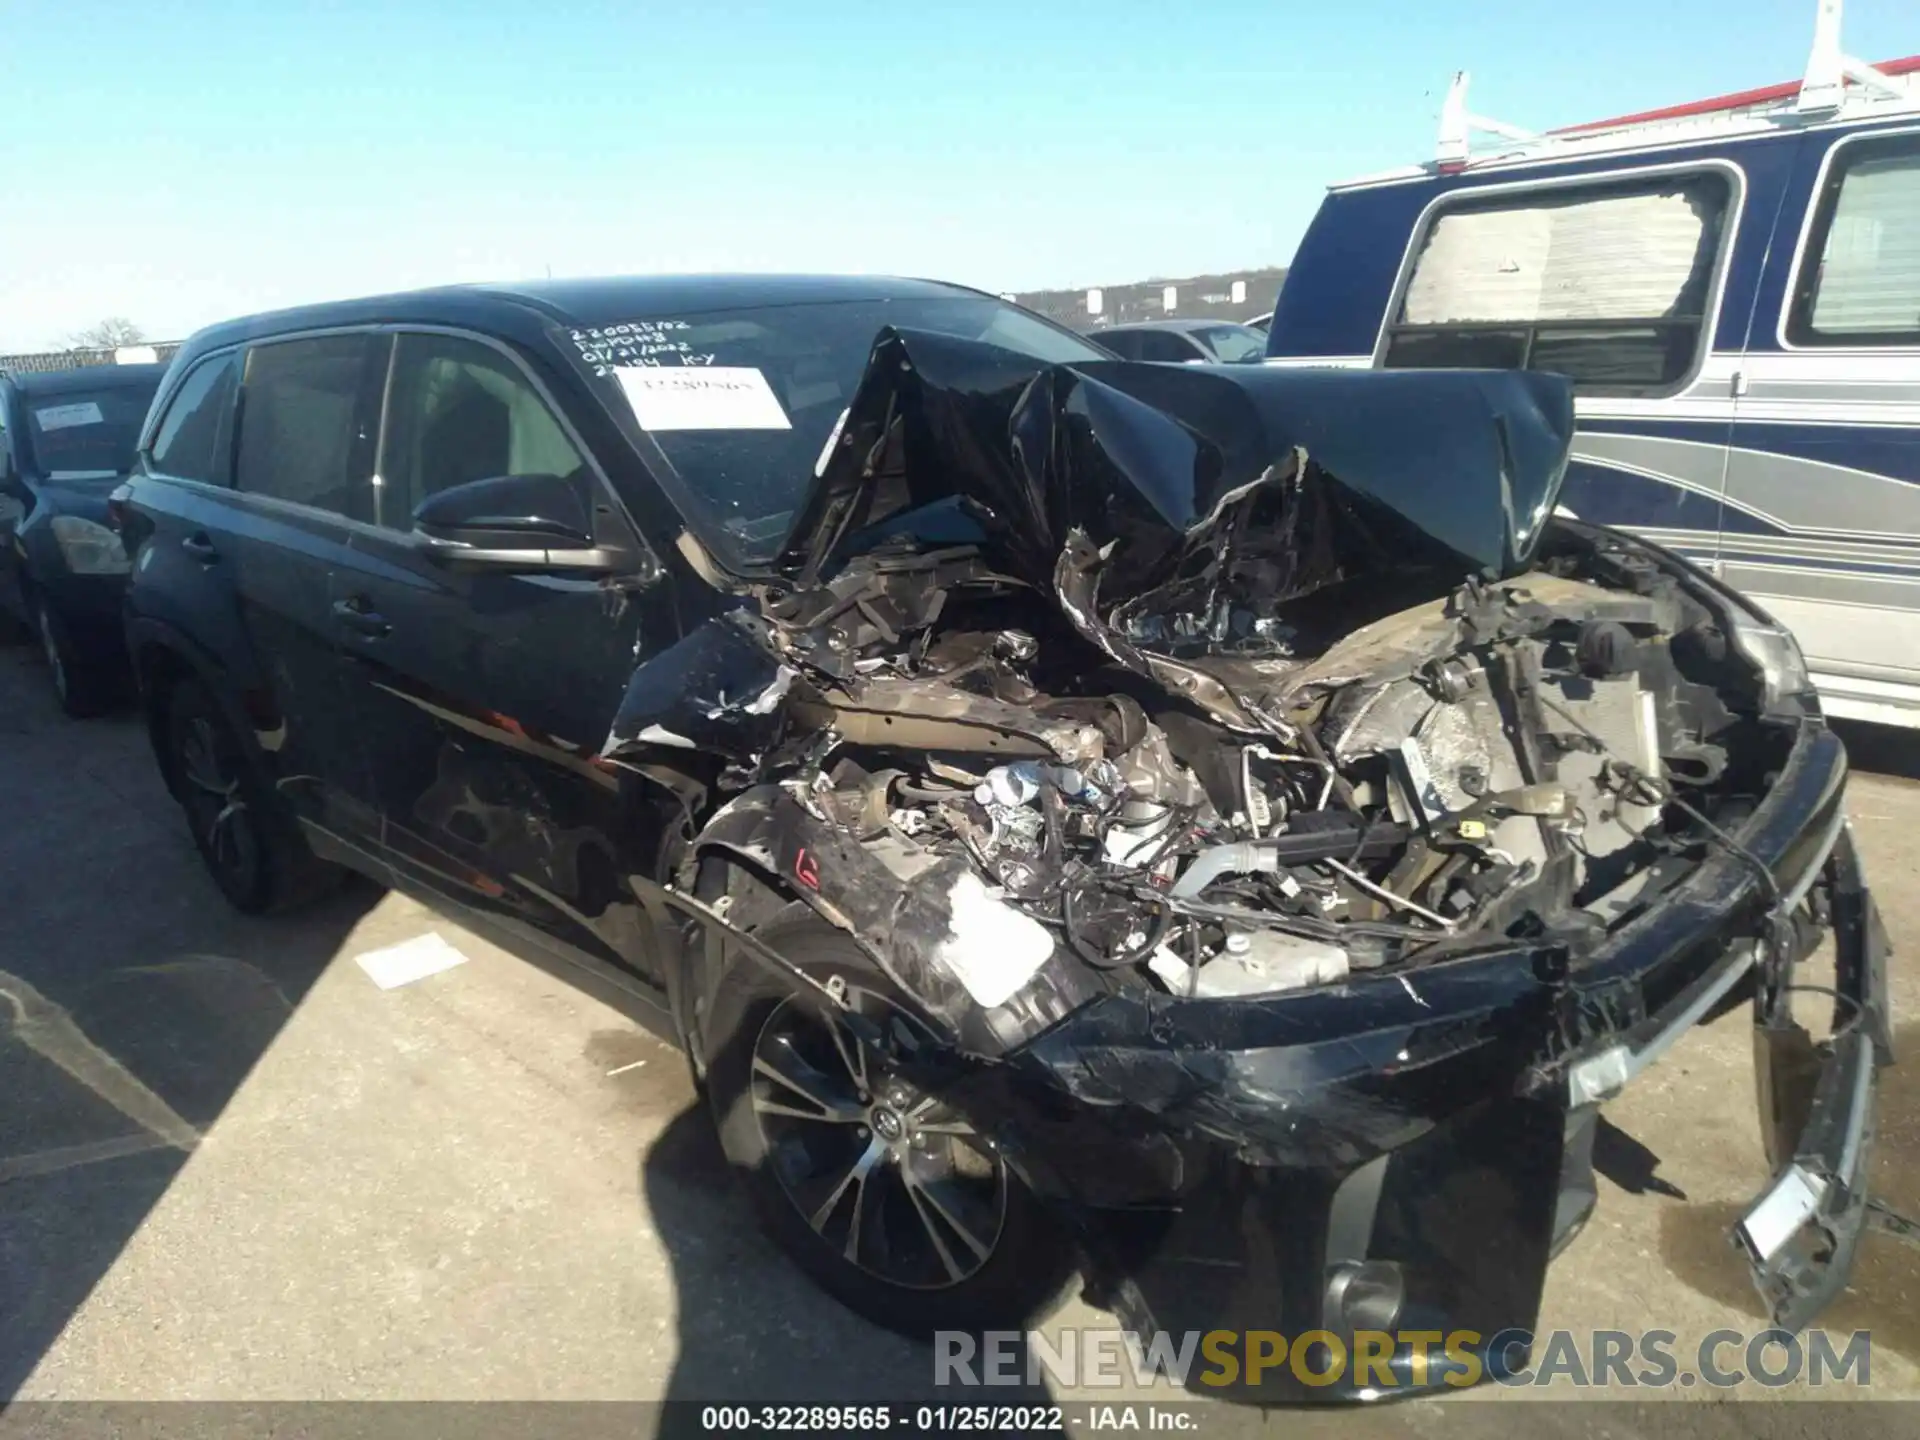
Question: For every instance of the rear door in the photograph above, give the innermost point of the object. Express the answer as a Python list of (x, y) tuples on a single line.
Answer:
[(1823, 485), (258, 469), (483, 698)]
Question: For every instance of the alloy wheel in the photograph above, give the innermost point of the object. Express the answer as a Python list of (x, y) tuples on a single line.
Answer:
[(220, 815), (895, 1180)]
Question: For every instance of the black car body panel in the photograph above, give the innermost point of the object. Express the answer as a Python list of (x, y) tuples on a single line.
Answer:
[(48, 475), (1015, 597)]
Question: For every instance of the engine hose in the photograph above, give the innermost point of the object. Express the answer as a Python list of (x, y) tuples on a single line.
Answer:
[(1242, 858), (1098, 958)]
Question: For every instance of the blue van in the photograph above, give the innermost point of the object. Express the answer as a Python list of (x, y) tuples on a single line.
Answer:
[(1734, 288)]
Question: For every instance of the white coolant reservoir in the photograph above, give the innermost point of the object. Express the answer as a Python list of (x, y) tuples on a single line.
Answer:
[(1264, 962)]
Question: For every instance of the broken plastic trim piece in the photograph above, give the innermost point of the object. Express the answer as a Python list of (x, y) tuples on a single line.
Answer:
[(1777, 1216), (1605, 1075), (1800, 1236)]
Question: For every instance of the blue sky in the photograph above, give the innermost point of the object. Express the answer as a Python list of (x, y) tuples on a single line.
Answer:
[(180, 165)]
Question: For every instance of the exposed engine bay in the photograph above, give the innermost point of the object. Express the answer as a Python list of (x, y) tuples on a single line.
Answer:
[(1294, 826), (1245, 684), (1500, 767)]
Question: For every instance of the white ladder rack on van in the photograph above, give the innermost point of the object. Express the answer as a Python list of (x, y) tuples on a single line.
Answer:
[(1835, 85)]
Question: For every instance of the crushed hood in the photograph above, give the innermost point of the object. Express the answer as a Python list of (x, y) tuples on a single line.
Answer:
[(1210, 527), (1308, 477)]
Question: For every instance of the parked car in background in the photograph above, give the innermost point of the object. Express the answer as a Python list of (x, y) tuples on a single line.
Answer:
[(1209, 342), (66, 439), (1261, 322), (1733, 287), (1074, 813)]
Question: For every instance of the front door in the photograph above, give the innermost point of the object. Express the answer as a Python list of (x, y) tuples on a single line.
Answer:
[(481, 698)]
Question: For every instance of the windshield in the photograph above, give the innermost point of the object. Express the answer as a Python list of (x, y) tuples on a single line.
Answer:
[(743, 402), (1235, 344), (85, 434)]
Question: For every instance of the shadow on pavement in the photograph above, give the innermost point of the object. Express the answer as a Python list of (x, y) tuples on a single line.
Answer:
[(1629, 1163), (1881, 749), (752, 1328), (133, 1002)]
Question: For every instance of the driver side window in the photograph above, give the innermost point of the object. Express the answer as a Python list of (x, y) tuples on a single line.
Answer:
[(459, 411)]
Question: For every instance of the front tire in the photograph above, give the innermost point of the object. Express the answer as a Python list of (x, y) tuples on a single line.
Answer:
[(888, 1198), (251, 848)]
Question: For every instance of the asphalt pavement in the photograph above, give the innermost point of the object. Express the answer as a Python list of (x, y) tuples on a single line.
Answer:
[(233, 1168)]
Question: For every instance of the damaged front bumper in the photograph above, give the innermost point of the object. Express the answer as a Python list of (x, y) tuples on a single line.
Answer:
[(1393, 1153)]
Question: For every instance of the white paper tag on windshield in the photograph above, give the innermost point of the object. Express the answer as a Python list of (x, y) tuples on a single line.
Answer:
[(65, 417), (701, 397)]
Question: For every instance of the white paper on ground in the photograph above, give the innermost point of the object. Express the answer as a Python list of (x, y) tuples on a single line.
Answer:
[(65, 417), (701, 397), (409, 961)]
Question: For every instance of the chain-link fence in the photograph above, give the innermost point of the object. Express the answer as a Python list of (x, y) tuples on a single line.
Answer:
[(50, 360)]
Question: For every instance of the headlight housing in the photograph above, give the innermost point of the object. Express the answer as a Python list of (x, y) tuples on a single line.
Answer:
[(1786, 686), (88, 547)]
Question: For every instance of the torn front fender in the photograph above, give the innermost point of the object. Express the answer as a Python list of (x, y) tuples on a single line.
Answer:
[(983, 972), (717, 692)]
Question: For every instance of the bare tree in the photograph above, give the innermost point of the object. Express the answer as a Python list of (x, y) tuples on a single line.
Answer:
[(110, 333)]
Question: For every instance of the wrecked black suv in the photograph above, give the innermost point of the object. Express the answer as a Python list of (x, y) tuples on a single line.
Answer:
[(1216, 830)]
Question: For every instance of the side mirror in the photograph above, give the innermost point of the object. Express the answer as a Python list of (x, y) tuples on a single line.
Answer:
[(527, 523)]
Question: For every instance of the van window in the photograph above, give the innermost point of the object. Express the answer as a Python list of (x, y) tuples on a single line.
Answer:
[(193, 442), (461, 411), (1865, 287), (297, 421), (1606, 284)]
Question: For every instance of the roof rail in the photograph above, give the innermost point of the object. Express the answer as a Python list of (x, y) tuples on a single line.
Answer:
[(1824, 87), (1822, 91), (1457, 125)]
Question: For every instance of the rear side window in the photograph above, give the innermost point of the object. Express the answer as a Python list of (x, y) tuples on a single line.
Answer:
[(1859, 280), (459, 411), (1126, 345), (300, 436), (1606, 284), (194, 441)]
